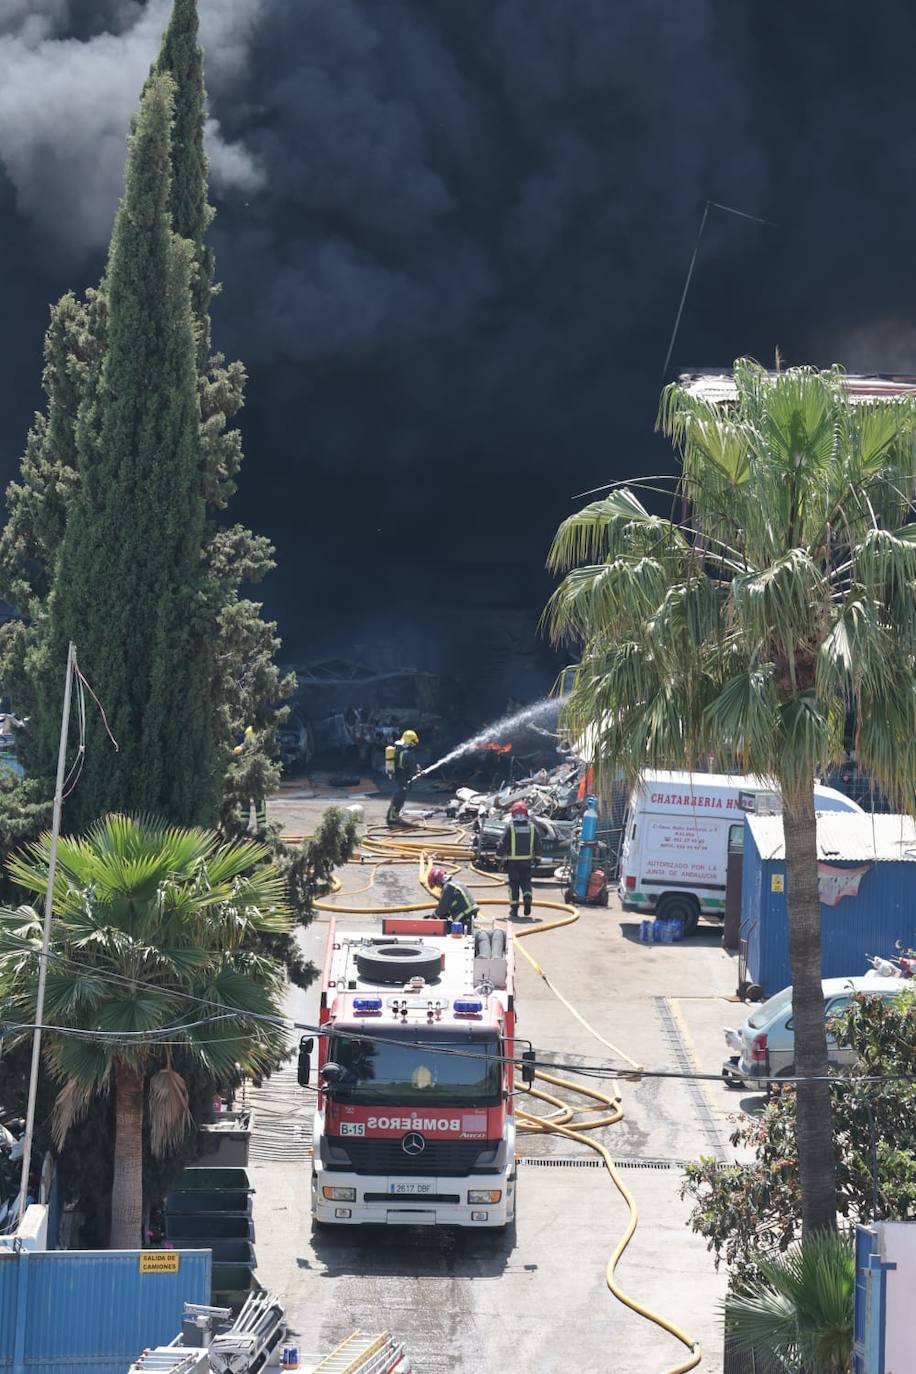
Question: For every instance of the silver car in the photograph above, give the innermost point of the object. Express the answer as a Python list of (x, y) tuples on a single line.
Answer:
[(764, 1048)]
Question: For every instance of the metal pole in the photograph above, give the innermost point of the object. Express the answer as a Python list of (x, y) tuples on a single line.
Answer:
[(46, 935), (680, 309), (729, 210), (873, 1152)]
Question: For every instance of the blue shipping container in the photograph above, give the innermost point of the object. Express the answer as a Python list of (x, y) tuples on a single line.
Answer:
[(91, 1310), (879, 854)]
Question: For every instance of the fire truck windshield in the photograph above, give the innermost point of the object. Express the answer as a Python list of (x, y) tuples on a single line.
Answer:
[(403, 1067)]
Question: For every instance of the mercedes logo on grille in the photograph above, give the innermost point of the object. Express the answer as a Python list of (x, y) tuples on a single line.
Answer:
[(413, 1144)]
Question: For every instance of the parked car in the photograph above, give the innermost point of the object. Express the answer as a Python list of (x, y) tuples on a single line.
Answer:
[(764, 1048)]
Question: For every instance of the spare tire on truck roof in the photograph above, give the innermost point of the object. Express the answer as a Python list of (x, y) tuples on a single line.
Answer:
[(396, 963)]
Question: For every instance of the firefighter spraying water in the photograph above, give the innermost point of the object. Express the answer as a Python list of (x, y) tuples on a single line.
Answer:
[(401, 769)]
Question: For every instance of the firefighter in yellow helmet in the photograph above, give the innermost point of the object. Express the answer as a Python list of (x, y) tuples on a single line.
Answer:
[(401, 766)]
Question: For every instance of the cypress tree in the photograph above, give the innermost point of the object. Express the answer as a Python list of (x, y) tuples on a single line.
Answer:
[(239, 685), (181, 58), (38, 504), (248, 685), (128, 587)]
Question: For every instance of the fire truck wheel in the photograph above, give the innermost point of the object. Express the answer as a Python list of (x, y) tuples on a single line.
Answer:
[(398, 963)]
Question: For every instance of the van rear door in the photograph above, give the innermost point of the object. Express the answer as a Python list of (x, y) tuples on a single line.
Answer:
[(629, 845)]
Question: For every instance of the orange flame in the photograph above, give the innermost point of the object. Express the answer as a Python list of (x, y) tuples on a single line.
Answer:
[(497, 748)]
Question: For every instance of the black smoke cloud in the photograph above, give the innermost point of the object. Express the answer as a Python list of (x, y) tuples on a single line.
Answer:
[(452, 239)]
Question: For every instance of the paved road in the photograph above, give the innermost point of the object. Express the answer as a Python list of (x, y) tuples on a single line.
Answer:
[(536, 1299)]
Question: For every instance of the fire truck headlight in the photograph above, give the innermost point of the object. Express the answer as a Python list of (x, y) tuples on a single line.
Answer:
[(478, 1195), (339, 1194)]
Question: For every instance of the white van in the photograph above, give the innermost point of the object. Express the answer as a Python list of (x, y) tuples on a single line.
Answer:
[(674, 852)]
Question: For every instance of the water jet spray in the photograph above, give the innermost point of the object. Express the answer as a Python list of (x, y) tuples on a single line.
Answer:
[(506, 725)]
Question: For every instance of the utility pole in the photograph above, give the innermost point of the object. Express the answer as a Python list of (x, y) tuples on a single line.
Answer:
[(46, 935)]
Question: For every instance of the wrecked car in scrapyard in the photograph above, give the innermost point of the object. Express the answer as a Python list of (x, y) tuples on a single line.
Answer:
[(553, 804)]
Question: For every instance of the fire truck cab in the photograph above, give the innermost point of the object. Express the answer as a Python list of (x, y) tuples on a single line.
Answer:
[(414, 1122)]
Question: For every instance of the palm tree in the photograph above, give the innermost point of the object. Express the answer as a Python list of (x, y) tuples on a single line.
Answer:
[(151, 959), (751, 628), (801, 1309)]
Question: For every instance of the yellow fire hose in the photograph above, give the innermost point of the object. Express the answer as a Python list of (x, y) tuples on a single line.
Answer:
[(377, 849)]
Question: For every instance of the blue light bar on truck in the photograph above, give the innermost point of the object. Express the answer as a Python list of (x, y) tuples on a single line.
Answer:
[(367, 1005), (464, 1007)]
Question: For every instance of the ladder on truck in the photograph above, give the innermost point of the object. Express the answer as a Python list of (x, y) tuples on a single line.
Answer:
[(360, 1353), (171, 1359)]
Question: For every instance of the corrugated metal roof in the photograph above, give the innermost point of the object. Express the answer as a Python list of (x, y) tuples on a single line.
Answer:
[(843, 835), (717, 387)]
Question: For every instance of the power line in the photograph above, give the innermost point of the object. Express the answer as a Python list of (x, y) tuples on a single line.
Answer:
[(587, 1070), (279, 1022)]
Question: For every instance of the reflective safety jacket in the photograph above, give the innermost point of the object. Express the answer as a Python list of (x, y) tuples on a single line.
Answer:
[(456, 903), (405, 765), (519, 840)]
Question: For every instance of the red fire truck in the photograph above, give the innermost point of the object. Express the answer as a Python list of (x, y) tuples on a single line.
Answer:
[(414, 1122)]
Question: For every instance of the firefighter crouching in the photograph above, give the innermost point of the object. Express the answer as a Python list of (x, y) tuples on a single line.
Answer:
[(455, 902), (519, 845), (401, 766)]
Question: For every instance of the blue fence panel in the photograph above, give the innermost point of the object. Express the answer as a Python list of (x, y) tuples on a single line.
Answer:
[(9, 1289), (92, 1311)]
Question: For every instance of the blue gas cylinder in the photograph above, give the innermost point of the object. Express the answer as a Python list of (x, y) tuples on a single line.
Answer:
[(586, 860)]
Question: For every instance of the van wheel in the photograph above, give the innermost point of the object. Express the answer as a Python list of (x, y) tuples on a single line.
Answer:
[(680, 904)]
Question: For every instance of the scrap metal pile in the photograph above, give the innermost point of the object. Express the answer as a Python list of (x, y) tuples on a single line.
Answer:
[(553, 803)]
